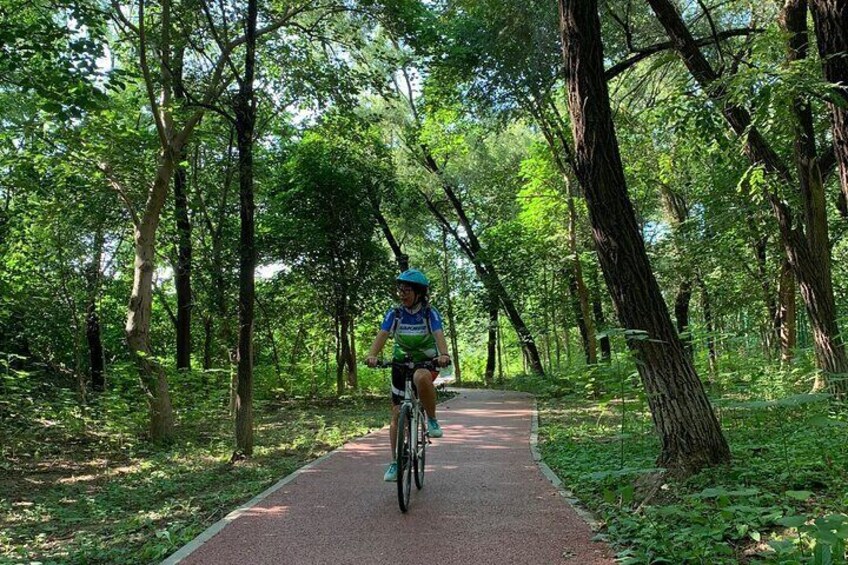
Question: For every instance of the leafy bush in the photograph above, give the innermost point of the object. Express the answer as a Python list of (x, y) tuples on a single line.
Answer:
[(782, 499)]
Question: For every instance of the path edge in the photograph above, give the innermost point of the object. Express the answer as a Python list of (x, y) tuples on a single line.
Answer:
[(569, 497), (212, 530)]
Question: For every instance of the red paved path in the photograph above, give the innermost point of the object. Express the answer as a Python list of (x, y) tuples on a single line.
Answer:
[(484, 501)]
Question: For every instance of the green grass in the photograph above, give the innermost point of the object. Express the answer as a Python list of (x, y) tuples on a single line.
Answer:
[(80, 484), (783, 499), (84, 488)]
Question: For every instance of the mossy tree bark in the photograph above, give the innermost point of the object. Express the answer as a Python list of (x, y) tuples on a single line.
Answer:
[(683, 417)]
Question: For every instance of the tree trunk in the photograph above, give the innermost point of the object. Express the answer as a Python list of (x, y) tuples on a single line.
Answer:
[(207, 342), (500, 354), (245, 110), (554, 300), (546, 318), (470, 244), (275, 352), (353, 352), (578, 313), (341, 345), (681, 314), (706, 306), (295, 350), (794, 20), (786, 320), (690, 434), (219, 271), (528, 344), (95, 349), (487, 273), (182, 273), (171, 141), (806, 244), (760, 250), (492, 344), (457, 373), (677, 211), (585, 314), (350, 357), (219, 277), (831, 23), (152, 375), (92, 326), (401, 258), (600, 319)]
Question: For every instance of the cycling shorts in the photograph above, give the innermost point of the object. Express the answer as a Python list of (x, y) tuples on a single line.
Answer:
[(399, 383)]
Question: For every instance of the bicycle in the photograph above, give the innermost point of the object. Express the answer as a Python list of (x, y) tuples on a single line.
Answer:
[(410, 448)]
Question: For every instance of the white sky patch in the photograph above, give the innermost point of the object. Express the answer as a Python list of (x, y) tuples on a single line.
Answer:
[(270, 270), (104, 62), (655, 232), (165, 274)]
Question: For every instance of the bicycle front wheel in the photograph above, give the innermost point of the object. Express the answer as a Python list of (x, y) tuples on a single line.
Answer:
[(421, 451), (404, 457)]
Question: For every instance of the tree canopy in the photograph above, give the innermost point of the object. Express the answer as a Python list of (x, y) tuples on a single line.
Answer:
[(616, 201)]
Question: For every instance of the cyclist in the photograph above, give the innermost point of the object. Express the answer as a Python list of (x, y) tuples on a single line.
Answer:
[(416, 328)]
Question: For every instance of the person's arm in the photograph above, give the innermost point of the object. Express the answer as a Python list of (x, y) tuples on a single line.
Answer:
[(377, 347), (444, 358), (442, 345)]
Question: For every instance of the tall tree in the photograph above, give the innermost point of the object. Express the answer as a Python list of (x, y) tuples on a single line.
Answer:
[(449, 311), (690, 434), (245, 113), (182, 270), (96, 362), (322, 223), (805, 235), (831, 23), (466, 233), (173, 134), (512, 74)]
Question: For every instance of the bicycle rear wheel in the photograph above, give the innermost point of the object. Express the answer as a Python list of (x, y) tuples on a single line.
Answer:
[(421, 454), (404, 457)]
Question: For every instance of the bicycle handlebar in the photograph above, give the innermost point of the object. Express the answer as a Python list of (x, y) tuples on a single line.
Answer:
[(431, 364)]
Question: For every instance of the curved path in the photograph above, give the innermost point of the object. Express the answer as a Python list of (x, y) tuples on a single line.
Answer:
[(484, 501)]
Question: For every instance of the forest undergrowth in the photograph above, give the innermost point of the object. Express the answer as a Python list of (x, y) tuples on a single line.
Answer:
[(783, 499), (80, 483)]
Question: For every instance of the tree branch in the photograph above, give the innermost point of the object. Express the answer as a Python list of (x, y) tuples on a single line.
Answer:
[(106, 169), (148, 80), (643, 54)]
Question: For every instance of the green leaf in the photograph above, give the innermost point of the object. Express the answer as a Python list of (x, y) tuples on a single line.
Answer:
[(781, 546), (792, 521), (801, 495), (716, 492), (822, 421), (823, 555)]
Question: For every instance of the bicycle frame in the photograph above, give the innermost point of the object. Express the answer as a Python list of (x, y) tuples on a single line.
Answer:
[(409, 397), (412, 459)]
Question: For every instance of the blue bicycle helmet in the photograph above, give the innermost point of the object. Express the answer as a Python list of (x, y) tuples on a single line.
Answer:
[(413, 276)]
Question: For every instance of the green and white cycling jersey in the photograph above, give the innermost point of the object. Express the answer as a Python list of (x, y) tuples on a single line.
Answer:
[(412, 336)]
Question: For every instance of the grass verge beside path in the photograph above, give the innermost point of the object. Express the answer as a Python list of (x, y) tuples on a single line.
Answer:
[(783, 499), (80, 496)]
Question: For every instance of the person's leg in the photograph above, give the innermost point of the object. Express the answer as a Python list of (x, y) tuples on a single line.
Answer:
[(391, 471), (398, 384), (426, 391), (393, 428)]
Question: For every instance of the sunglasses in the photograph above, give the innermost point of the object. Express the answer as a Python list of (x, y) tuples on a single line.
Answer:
[(404, 289)]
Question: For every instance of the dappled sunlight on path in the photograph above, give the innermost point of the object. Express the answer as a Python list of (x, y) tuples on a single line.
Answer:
[(484, 500)]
